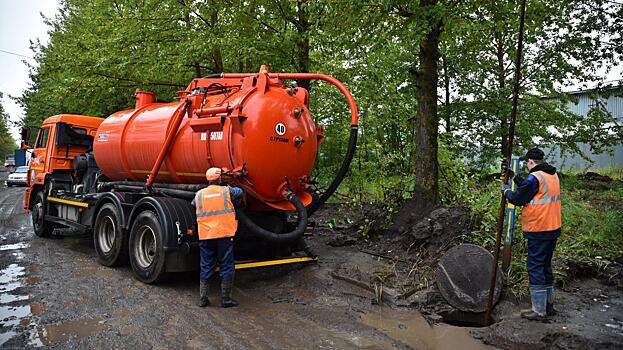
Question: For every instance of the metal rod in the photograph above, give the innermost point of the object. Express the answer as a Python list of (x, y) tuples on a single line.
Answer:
[(509, 150)]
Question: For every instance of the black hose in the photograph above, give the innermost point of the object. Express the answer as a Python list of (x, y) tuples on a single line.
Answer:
[(352, 145), (292, 236), (213, 75)]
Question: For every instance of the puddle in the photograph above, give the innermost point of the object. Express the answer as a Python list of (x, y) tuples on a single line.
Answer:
[(11, 298), (5, 337), (20, 245), (72, 329), (10, 274), (411, 328), (12, 315)]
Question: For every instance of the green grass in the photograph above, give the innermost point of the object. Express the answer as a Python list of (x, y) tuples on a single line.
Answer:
[(592, 232), (592, 214)]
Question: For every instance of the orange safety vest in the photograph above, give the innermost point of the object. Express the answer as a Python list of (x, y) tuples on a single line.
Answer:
[(544, 212), (216, 216)]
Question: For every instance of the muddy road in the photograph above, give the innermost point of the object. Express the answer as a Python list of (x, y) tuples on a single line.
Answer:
[(54, 294)]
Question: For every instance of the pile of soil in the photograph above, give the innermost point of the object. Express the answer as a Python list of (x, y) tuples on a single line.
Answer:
[(411, 245)]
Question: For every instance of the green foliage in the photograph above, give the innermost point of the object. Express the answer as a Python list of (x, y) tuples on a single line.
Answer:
[(592, 232), (564, 42), (7, 143), (101, 51)]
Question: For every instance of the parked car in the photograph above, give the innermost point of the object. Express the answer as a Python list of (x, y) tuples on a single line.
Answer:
[(19, 177)]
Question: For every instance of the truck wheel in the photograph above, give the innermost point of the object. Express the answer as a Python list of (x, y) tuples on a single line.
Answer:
[(42, 228), (146, 248), (111, 241)]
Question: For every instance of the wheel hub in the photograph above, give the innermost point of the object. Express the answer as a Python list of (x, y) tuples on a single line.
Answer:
[(145, 250), (107, 232)]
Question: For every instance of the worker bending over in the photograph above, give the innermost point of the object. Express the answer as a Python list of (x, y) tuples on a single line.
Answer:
[(541, 221), (216, 220)]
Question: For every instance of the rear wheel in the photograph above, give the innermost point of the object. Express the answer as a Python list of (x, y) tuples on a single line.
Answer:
[(111, 241), (146, 248), (39, 210)]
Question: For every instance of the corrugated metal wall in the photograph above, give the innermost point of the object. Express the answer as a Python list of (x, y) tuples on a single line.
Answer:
[(613, 105)]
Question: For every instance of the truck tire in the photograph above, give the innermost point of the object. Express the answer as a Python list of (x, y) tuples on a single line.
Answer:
[(111, 241), (147, 255), (41, 227)]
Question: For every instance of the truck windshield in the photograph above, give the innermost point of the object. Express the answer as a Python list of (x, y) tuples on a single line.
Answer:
[(22, 169)]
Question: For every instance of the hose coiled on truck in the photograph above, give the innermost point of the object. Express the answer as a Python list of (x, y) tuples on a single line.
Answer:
[(288, 237)]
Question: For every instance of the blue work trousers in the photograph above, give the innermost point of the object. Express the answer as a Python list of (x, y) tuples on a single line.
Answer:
[(539, 261), (219, 250)]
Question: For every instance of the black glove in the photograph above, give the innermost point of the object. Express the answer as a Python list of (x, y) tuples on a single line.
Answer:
[(505, 168)]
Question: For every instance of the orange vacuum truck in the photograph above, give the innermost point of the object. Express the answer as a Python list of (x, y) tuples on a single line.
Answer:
[(130, 178)]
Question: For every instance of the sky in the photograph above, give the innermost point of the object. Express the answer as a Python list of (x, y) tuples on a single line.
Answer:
[(20, 22)]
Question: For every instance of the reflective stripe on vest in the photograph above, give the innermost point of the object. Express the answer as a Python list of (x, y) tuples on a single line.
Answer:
[(201, 213), (216, 216), (546, 198), (544, 212)]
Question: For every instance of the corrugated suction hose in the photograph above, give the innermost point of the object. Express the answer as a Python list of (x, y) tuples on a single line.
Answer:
[(288, 237)]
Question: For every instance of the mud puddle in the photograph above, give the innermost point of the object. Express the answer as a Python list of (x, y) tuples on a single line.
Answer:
[(77, 329), (16, 314), (411, 328)]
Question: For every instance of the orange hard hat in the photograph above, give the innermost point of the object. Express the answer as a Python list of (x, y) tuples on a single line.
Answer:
[(213, 174)]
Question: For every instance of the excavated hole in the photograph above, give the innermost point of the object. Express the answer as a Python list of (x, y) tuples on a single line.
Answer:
[(464, 319)]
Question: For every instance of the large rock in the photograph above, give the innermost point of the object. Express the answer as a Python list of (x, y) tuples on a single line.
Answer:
[(464, 275)]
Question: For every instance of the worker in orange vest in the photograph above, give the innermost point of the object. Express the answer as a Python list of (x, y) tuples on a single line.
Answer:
[(541, 222), (217, 224)]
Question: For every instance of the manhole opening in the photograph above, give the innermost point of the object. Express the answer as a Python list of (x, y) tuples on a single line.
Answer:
[(464, 319)]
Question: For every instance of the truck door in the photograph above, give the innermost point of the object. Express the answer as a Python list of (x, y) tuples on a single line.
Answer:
[(39, 162)]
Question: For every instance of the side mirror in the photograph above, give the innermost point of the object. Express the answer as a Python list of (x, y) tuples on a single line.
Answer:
[(25, 136)]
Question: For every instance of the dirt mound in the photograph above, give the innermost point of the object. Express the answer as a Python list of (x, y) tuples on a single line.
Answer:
[(592, 176), (410, 213), (439, 230)]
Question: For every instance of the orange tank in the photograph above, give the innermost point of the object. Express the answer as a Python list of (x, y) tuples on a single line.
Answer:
[(249, 120)]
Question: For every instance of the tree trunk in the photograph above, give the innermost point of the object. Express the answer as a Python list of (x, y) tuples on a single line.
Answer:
[(427, 121), (302, 43), (216, 52), (446, 83), (197, 69)]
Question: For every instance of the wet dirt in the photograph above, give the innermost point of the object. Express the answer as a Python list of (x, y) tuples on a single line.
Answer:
[(590, 304), (413, 329), (53, 293)]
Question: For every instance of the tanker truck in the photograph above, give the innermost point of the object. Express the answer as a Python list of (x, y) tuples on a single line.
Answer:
[(129, 179)]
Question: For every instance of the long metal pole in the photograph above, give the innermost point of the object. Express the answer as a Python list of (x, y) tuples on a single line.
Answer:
[(509, 150)]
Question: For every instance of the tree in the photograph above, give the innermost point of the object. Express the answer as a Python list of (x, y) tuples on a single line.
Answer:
[(7, 142), (564, 43)]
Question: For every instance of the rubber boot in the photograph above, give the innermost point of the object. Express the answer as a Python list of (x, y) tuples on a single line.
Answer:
[(550, 302), (226, 287), (203, 294), (538, 295)]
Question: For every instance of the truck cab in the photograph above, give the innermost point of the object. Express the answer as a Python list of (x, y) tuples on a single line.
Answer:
[(59, 140)]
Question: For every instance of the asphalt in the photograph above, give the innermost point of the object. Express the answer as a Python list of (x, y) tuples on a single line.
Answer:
[(54, 294)]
